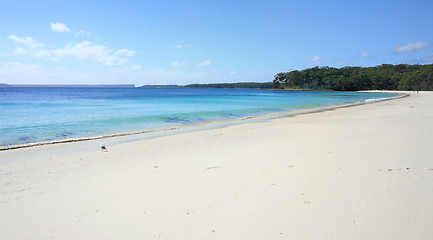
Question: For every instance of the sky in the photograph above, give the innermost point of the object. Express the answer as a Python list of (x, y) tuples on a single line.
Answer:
[(182, 42)]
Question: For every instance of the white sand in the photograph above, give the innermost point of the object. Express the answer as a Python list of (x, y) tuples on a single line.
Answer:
[(363, 172)]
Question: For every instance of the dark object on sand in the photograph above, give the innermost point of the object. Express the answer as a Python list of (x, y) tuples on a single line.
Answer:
[(103, 148)]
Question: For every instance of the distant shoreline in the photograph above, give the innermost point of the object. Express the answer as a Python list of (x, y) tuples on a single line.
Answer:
[(2, 85)]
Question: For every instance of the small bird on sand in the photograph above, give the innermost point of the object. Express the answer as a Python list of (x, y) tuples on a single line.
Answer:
[(103, 148)]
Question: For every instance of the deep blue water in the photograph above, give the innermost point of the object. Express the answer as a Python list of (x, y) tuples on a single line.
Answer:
[(34, 114)]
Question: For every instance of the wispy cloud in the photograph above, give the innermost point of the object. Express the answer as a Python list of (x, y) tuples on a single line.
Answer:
[(59, 27), (26, 41), (412, 47), (85, 34), (183, 45), (364, 54), (313, 59), (98, 53), (204, 62), (124, 52), (21, 51), (44, 54), (82, 51)]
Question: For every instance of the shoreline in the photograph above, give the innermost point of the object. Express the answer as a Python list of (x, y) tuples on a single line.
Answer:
[(360, 172), (228, 121)]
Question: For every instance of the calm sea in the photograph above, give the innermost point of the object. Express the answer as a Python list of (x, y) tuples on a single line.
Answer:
[(34, 114)]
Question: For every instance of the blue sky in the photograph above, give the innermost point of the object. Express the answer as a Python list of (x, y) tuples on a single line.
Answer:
[(181, 42)]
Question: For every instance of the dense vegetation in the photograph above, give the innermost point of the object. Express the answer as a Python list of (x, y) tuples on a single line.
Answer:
[(386, 76), (266, 85)]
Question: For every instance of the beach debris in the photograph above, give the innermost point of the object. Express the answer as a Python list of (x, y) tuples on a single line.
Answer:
[(390, 169), (214, 167)]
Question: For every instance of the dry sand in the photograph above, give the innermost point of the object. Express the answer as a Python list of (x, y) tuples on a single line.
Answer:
[(364, 172)]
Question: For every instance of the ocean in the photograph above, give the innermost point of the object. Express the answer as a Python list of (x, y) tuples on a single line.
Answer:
[(38, 114)]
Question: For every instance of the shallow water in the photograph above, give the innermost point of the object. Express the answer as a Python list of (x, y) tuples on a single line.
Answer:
[(35, 114)]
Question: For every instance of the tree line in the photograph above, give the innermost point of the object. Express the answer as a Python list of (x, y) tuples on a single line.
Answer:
[(383, 77)]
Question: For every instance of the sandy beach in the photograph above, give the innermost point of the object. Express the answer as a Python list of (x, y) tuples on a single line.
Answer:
[(362, 172)]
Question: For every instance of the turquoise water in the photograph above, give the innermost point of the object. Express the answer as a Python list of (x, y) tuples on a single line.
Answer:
[(29, 115)]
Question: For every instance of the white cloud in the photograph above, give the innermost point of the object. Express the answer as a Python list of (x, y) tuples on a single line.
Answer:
[(26, 41), (124, 52), (59, 27), (364, 54), (44, 54), (313, 59), (204, 62), (83, 51), (99, 53), (411, 47)]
